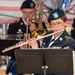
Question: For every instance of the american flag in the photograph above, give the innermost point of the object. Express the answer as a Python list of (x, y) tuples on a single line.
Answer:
[(10, 10)]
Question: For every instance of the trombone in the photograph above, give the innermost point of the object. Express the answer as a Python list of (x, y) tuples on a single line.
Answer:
[(16, 46)]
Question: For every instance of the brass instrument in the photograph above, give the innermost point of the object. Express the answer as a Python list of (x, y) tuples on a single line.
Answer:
[(16, 46), (40, 31), (27, 35)]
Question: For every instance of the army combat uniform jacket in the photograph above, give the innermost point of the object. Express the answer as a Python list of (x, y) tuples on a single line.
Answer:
[(14, 27), (64, 41)]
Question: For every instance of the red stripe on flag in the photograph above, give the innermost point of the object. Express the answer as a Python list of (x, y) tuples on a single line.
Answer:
[(7, 20), (3, 8)]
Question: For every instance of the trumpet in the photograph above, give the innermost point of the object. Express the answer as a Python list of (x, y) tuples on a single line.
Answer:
[(16, 46)]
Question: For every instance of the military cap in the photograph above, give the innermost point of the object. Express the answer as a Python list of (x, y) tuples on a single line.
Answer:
[(28, 4), (55, 14)]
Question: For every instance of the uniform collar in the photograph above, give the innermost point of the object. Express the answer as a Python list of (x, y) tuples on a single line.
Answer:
[(24, 21), (58, 36), (55, 38)]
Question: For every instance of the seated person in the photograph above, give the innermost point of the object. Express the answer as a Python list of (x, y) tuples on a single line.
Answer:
[(61, 40), (28, 10)]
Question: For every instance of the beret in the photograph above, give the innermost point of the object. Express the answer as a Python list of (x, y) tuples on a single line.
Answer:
[(28, 4), (55, 14)]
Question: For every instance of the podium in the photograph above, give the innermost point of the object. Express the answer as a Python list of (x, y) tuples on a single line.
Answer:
[(44, 61)]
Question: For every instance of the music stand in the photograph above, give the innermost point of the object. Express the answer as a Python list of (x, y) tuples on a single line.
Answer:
[(7, 43), (53, 61), (59, 61)]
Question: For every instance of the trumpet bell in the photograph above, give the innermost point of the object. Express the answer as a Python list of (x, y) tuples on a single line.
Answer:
[(38, 32)]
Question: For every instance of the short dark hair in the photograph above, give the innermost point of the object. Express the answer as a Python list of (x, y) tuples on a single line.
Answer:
[(64, 18)]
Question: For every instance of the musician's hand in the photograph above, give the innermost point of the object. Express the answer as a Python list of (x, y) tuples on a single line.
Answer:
[(32, 26), (23, 46), (33, 43)]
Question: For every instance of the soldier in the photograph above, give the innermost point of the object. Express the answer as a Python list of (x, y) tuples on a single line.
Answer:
[(28, 10), (61, 40)]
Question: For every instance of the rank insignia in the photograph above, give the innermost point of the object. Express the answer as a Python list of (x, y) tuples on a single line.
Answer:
[(55, 15), (67, 38), (31, 4)]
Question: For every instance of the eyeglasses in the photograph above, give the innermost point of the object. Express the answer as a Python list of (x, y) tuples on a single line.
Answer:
[(58, 23)]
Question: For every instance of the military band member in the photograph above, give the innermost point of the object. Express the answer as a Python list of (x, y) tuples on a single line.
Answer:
[(20, 26), (61, 40)]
